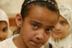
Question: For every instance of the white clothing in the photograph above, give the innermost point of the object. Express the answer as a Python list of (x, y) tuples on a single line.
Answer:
[(64, 43), (8, 43)]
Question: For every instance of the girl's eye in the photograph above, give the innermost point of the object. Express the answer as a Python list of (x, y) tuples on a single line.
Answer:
[(62, 22), (4, 29), (35, 25), (48, 30)]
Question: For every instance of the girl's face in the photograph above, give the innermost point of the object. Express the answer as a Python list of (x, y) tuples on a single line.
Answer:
[(61, 29), (36, 27), (3, 30)]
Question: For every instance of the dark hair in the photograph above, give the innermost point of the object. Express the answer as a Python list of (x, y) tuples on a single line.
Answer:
[(50, 4)]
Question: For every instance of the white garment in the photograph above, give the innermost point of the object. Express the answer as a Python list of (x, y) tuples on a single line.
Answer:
[(8, 43), (66, 12), (64, 43)]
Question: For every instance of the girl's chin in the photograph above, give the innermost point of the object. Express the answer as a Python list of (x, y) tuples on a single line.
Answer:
[(55, 36)]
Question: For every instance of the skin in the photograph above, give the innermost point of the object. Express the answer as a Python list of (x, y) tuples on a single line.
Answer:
[(3, 30), (36, 27), (61, 29)]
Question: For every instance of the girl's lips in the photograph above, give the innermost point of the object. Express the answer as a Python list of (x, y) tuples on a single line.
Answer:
[(36, 42), (57, 33)]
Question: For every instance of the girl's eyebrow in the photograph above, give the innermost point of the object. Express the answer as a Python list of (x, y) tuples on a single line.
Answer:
[(38, 22), (35, 21), (50, 26), (63, 19)]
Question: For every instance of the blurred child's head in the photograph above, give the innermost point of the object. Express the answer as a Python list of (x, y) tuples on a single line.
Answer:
[(3, 30), (38, 18), (4, 26), (63, 27)]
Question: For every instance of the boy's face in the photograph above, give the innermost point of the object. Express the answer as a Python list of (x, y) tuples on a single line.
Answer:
[(37, 26), (61, 29), (3, 30)]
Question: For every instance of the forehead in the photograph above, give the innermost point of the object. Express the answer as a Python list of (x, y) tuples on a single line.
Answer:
[(61, 17), (43, 15)]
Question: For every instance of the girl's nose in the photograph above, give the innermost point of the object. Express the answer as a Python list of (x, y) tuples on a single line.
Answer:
[(40, 35), (57, 27)]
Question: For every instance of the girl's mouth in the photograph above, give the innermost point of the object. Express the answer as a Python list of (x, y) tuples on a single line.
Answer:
[(57, 33)]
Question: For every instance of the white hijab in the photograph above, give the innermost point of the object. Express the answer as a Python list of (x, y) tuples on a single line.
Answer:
[(4, 17), (66, 12)]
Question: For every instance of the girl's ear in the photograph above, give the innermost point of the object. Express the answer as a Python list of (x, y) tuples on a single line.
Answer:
[(18, 20)]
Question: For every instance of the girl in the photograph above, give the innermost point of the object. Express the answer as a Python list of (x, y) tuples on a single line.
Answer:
[(62, 34), (5, 32), (37, 19)]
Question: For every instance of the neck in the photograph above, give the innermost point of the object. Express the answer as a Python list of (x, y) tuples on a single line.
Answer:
[(19, 42)]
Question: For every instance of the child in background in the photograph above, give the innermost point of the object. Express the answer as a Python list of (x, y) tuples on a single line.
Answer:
[(5, 31), (62, 34)]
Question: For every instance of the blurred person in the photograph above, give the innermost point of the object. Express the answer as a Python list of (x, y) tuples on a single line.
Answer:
[(62, 33), (5, 31)]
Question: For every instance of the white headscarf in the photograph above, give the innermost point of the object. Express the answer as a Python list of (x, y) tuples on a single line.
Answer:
[(4, 17), (66, 12)]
